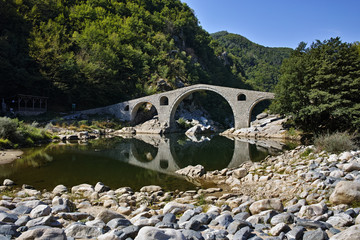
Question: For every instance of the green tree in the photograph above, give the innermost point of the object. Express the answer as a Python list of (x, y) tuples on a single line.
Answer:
[(319, 86), (100, 52)]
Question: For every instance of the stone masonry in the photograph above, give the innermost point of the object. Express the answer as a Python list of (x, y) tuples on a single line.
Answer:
[(241, 102)]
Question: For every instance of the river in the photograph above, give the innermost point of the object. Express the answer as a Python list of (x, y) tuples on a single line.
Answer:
[(133, 162)]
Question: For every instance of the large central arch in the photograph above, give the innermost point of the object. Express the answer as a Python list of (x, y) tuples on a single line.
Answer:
[(185, 94)]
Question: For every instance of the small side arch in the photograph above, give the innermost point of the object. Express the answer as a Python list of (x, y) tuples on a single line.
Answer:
[(241, 97), (254, 104), (135, 109), (164, 101)]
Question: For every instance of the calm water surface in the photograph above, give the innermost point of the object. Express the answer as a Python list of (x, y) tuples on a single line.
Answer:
[(133, 162)]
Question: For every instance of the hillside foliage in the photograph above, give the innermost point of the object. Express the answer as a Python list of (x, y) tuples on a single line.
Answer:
[(319, 86), (256, 65), (95, 53)]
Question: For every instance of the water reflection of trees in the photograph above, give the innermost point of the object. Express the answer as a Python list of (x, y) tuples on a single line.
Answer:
[(33, 157)]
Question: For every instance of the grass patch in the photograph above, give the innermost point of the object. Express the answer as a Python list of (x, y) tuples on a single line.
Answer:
[(93, 122), (201, 200), (183, 124), (335, 142), (306, 152)]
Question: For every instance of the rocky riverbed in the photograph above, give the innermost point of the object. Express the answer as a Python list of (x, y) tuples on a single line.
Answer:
[(265, 126), (300, 194)]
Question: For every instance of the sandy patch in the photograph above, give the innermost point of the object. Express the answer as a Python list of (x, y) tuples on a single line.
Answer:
[(8, 156)]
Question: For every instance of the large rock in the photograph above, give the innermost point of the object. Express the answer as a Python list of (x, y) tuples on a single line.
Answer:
[(118, 223), (30, 204), (282, 218), (199, 129), (352, 233), (279, 228), (107, 215), (100, 187), (313, 210), (266, 204), (75, 216), (8, 229), (153, 233), (341, 220), (44, 221), (192, 171), (79, 230), (85, 189), (175, 206), (40, 211), (239, 172), (8, 182), (317, 234), (7, 217), (346, 193), (44, 233), (353, 166), (151, 189), (59, 189)]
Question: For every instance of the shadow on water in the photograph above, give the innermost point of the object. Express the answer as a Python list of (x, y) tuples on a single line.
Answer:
[(134, 162)]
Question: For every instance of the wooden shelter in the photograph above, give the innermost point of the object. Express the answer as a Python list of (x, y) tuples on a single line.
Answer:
[(30, 105)]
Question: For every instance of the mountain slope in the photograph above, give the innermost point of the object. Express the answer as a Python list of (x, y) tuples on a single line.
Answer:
[(255, 64), (95, 53)]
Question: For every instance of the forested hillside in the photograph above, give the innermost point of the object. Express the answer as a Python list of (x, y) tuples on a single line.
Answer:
[(256, 65), (95, 52)]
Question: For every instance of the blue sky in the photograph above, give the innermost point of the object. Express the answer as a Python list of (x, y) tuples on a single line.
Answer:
[(281, 23)]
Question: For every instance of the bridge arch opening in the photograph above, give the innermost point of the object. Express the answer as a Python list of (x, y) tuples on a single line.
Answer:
[(142, 112), (164, 164), (257, 108), (142, 151), (216, 108), (164, 101), (241, 97)]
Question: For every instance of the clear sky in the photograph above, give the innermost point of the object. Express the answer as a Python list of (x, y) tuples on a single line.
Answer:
[(281, 23)]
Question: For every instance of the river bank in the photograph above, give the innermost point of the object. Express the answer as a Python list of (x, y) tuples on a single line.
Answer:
[(7, 156), (300, 194)]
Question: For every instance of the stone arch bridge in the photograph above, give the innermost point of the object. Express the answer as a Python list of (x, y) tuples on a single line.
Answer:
[(241, 102)]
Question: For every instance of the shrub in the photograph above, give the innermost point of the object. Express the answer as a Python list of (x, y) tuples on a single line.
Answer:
[(19, 133), (183, 124), (5, 143), (334, 143), (8, 127)]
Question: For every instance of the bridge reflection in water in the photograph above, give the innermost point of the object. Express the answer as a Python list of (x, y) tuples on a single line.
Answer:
[(134, 162), (169, 154)]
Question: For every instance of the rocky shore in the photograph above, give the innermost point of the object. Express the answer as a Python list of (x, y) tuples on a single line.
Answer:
[(264, 127), (297, 195), (7, 156)]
